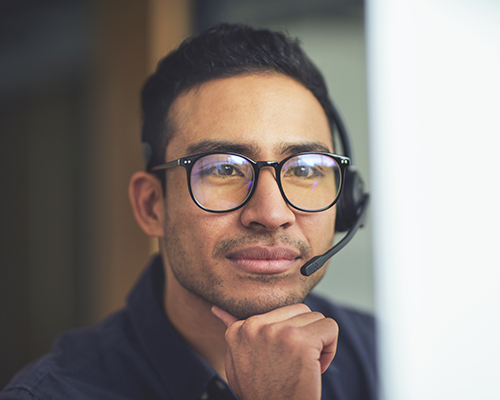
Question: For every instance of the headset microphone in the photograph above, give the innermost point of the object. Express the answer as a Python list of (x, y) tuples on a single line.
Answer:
[(317, 262)]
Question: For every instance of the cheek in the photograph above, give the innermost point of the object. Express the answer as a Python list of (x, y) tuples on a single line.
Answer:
[(320, 230), (176, 187), (193, 231), (180, 209), (178, 225)]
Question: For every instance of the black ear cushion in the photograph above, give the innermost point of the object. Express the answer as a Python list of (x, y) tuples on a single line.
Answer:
[(350, 201)]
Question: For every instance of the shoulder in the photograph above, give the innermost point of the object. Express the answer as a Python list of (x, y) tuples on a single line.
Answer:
[(22, 386), (75, 365), (17, 394)]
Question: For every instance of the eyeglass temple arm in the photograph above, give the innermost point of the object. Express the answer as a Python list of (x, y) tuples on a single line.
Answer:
[(171, 164), (317, 262)]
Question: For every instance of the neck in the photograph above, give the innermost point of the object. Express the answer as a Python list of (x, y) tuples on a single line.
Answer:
[(191, 317)]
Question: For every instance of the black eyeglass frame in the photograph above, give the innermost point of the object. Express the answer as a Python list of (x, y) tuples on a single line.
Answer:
[(188, 162)]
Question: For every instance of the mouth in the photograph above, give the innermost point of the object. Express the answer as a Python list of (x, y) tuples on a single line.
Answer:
[(264, 260)]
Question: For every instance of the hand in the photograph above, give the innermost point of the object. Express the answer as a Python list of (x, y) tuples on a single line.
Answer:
[(280, 354)]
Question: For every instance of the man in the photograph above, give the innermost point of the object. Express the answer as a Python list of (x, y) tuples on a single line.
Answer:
[(223, 310)]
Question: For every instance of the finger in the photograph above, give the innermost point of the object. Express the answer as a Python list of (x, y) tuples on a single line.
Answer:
[(326, 331), (303, 319), (282, 314), (224, 316), (319, 331)]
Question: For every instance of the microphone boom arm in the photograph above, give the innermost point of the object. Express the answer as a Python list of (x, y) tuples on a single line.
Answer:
[(317, 262)]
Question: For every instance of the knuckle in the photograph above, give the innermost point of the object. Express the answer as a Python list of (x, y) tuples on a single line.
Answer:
[(291, 336), (251, 324), (250, 328), (332, 324), (233, 333), (317, 314), (302, 308), (269, 331)]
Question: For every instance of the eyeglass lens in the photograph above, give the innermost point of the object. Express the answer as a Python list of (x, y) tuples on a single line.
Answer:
[(222, 182)]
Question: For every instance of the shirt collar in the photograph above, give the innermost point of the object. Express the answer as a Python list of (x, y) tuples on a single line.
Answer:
[(184, 373)]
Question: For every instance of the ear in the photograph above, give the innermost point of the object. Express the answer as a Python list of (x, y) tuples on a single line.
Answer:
[(146, 196)]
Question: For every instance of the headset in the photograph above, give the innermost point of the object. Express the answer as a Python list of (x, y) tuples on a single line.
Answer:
[(351, 206)]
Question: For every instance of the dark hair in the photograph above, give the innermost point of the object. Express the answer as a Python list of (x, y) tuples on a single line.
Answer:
[(221, 51)]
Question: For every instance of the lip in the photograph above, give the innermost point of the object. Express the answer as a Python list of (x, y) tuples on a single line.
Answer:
[(264, 260)]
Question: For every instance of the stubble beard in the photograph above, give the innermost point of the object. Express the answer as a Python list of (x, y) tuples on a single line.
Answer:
[(192, 275)]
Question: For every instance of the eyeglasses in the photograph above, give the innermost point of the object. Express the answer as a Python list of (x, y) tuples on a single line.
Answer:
[(222, 182)]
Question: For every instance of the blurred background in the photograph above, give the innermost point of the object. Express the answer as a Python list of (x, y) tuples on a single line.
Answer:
[(70, 76)]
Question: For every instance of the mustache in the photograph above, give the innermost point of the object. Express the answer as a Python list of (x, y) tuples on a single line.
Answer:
[(262, 239)]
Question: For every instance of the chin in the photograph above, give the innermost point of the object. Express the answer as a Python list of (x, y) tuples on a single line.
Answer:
[(244, 308), (246, 296)]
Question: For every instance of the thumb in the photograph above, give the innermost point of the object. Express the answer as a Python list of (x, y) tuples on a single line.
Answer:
[(224, 316)]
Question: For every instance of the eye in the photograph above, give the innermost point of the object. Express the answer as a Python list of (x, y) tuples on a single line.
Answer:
[(303, 171), (224, 170)]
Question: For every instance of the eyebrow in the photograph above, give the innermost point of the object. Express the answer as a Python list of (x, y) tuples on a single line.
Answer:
[(207, 146), (294, 148), (248, 149)]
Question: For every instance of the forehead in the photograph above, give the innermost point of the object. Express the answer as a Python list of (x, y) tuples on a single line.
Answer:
[(265, 114)]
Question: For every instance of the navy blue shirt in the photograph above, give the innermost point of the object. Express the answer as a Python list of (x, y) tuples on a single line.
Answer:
[(136, 354)]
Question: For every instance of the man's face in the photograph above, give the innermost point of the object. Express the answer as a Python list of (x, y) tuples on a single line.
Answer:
[(245, 261)]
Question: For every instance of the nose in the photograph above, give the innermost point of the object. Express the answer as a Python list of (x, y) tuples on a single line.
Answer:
[(267, 209)]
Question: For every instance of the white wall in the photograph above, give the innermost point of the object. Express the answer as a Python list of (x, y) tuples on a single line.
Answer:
[(434, 106)]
